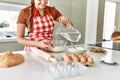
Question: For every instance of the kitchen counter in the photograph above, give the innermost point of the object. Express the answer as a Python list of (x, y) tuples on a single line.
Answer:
[(31, 69), (9, 36), (9, 39), (114, 45), (12, 39)]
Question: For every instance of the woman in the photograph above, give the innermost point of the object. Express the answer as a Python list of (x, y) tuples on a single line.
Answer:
[(39, 20)]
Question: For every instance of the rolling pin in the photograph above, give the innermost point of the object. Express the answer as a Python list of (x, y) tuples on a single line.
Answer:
[(43, 54)]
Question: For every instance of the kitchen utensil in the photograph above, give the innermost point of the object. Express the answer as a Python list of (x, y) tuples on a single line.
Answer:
[(59, 45), (63, 70), (46, 56), (70, 33), (77, 49)]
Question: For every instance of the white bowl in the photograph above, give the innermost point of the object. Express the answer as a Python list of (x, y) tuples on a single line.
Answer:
[(59, 45), (79, 50)]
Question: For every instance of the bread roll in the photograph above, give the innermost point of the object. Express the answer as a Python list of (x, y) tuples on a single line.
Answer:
[(9, 59)]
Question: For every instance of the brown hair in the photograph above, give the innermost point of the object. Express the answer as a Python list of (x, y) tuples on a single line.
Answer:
[(30, 19), (115, 34)]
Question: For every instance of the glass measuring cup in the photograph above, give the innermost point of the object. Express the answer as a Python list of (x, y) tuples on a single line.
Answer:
[(69, 33)]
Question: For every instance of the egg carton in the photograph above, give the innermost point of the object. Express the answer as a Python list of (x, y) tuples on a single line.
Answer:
[(63, 70)]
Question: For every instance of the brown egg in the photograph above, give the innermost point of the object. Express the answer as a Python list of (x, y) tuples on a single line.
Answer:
[(90, 60), (83, 59), (77, 54), (72, 56), (76, 59), (86, 55), (66, 58)]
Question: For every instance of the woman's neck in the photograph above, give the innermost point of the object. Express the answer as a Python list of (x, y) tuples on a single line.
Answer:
[(41, 12)]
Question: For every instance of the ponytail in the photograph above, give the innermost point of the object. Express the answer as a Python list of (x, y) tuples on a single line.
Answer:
[(30, 19)]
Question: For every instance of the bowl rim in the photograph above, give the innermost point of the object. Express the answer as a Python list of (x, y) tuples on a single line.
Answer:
[(82, 51), (65, 42)]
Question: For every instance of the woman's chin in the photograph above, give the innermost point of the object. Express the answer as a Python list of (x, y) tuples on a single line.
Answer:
[(42, 7)]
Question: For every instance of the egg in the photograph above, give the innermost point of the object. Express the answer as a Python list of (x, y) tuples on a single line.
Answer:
[(86, 55), (67, 58), (83, 59), (90, 60), (72, 56), (76, 59), (77, 54)]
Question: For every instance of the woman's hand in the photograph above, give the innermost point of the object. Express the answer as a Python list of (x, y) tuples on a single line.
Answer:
[(64, 20), (43, 46)]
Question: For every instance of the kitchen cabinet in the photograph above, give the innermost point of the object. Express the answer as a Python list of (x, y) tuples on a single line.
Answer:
[(75, 10), (10, 46)]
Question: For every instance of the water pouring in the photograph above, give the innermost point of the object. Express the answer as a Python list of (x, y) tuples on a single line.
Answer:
[(70, 33)]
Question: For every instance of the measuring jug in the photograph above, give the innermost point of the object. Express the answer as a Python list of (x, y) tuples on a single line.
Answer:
[(70, 33)]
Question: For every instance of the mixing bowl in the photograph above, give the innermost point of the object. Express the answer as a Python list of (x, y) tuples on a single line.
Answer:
[(77, 49), (59, 45)]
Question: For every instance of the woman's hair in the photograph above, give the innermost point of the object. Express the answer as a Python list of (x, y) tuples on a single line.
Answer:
[(115, 34), (30, 19)]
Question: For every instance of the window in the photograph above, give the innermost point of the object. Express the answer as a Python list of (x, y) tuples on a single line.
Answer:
[(8, 16), (8, 20), (109, 19)]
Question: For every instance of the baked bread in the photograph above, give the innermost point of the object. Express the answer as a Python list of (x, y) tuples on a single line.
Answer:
[(9, 59)]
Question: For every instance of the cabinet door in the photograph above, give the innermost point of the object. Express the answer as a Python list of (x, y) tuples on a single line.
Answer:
[(10, 46)]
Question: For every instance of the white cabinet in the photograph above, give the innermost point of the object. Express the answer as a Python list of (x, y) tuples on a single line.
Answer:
[(10, 46)]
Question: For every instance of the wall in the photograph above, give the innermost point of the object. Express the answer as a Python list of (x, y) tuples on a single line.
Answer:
[(94, 21), (20, 2), (78, 16), (100, 20), (75, 11), (117, 21), (91, 21)]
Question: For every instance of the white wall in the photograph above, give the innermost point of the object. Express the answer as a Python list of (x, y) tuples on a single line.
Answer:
[(91, 21), (11, 7), (22, 2), (75, 10)]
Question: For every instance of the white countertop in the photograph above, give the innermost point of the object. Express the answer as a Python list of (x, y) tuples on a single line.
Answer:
[(33, 70), (8, 39)]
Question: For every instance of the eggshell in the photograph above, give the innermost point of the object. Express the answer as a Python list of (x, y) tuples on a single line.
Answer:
[(67, 58), (76, 59), (72, 56), (86, 55), (83, 59), (90, 60)]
